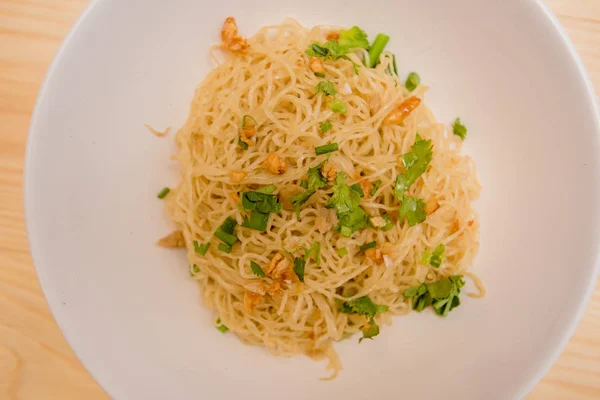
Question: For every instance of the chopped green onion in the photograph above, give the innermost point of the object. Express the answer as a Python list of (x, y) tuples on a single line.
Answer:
[(376, 48), (325, 126), (342, 252), (163, 193), (412, 81), (358, 189), (299, 264), (248, 122), (327, 148), (201, 248), (369, 245), (220, 327), (266, 189), (194, 269), (257, 221), (320, 75), (226, 237), (337, 106), (242, 144), (326, 87), (304, 184), (225, 247), (394, 64), (375, 187), (345, 231), (256, 269), (459, 129)]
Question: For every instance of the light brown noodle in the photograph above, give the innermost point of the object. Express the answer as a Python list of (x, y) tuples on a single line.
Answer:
[(273, 84)]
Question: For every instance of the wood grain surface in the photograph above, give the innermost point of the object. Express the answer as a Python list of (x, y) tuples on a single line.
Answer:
[(35, 360)]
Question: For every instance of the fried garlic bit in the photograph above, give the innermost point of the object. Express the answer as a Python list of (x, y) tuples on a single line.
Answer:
[(237, 176), (375, 255), (431, 206), (275, 164), (248, 129), (173, 240), (399, 114), (251, 299), (316, 65), (329, 171), (230, 38), (366, 187)]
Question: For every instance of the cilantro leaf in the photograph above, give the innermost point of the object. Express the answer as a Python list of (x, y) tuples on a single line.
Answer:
[(362, 306), (353, 38), (459, 129), (315, 249), (415, 164), (327, 88), (316, 180), (329, 50), (351, 217), (369, 330), (342, 252), (413, 209), (300, 199), (299, 264), (261, 205), (442, 295), (325, 126), (344, 199), (194, 269), (256, 269), (337, 106)]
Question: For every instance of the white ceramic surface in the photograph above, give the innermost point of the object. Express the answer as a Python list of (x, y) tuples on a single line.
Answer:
[(129, 309)]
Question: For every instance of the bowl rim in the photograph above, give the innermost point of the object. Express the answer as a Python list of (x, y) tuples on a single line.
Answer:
[(547, 360)]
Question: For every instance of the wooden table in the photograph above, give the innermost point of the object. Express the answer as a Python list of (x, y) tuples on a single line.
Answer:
[(35, 360)]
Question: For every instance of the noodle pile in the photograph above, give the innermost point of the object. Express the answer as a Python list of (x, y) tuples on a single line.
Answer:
[(272, 82)]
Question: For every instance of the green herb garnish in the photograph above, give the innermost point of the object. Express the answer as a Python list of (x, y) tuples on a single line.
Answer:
[(376, 48), (225, 247), (327, 88), (412, 81), (351, 217), (415, 164), (242, 144), (260, 204), (369, 330), (316, 180), (442, 295), (375, 187), (315, 249), (220, 327), (337, 106), (194, 269), (201, 248), (256, 269), (225, 233), (299, 264), (325, 126), (358, 189), (327, 148), (266, 189), (163, 193), (369, 245), (300, 199), (342, 252), (459, 129), (362, 306), (353, 38), (434, 259), (320, 75)]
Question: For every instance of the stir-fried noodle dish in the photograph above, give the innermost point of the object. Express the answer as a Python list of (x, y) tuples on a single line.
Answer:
[(318, 195)]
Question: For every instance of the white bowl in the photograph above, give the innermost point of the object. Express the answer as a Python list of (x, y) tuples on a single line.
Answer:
[(128, 307)]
